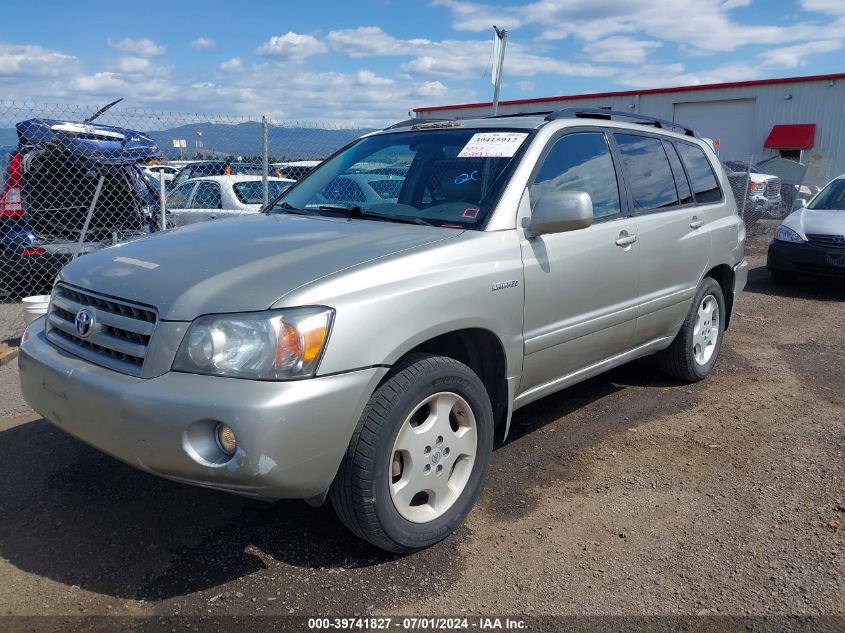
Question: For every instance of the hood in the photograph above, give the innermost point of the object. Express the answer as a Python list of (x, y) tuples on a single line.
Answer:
[(239, 265), (816, 221), (104, 144)]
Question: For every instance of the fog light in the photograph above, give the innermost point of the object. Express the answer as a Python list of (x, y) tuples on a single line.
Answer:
[(226, 439)]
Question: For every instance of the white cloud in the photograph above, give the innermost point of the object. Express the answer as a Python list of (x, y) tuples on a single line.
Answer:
[(671, 75), (132, 65), (372, 40), (291, 46), (706, 25), (27, 60), (470, 59), (233, 65), (369, 78), (797, 55), (144, 46), (620, 49), (202, 43), (525, 86), (835, 7)]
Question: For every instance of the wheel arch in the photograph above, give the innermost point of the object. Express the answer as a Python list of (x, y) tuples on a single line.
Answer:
[(482, 351), (724, 276)]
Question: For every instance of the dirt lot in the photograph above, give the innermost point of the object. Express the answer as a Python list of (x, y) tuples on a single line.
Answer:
[(629, 494)]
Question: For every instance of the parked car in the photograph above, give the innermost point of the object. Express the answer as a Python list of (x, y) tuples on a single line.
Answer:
[(295, 169), (220, 168), (763, 191), (811, 240), (162, 172), (362, 188), (52, 179), (216, 197), (373, 353)]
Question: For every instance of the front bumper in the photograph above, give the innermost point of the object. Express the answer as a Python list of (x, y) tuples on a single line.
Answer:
[(805, 259), (291, 435)]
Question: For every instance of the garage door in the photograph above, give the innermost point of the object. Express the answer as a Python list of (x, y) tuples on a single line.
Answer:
[(731, 121)]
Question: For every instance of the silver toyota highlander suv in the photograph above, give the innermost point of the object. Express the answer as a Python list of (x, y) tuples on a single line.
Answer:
[(373, 352)]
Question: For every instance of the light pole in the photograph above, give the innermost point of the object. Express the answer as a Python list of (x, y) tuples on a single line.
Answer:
[(500, 38)]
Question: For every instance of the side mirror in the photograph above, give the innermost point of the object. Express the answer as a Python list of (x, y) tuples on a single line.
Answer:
[(798, 204), (560, 211)]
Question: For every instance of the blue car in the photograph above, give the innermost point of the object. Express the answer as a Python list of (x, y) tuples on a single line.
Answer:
[(65, 179)]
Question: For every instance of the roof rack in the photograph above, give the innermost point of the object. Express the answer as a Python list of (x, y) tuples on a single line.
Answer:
[(418, 122), (609, 115)]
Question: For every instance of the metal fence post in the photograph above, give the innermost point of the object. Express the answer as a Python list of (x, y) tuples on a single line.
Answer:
[(162, 202), (265, 159), (745, 189)]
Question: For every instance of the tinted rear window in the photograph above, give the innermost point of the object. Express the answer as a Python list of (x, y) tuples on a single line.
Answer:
[(703, 179), (648, 172), (681, 182)]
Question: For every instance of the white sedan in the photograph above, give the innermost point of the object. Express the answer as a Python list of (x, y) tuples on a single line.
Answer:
[(215, 197), (162, 172)]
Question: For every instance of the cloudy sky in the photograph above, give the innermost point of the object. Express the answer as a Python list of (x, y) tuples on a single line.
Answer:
[(370, 62)]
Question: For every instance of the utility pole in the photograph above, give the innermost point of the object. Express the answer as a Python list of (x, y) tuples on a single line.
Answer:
[(500, 38)]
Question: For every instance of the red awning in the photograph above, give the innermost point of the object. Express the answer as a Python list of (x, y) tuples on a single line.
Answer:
[(797, 136)]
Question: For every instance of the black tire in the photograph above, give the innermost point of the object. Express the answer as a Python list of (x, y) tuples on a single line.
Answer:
[(360, 492), (781, 277), (678, 360)]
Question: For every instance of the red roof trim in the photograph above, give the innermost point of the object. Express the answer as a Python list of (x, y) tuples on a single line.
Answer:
[(631, 93), (794, 136)]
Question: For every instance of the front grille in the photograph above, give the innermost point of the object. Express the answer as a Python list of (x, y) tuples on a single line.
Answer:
[(120, 333), (828, 241), (772, 188)]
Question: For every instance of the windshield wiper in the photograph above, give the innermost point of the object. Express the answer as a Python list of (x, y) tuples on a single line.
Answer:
[(290, 209), (360, 212)]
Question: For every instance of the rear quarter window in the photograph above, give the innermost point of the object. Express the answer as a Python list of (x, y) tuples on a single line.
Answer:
[(703, 179)]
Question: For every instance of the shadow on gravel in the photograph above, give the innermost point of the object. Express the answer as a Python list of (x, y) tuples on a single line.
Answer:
[(760, 282), (78, 517)]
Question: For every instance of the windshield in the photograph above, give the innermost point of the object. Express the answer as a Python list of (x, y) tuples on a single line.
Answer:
[(831, 197), (448, 177), (249, 191)]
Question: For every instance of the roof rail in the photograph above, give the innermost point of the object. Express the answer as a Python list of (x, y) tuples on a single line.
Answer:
[(600, 113), (415, 122)]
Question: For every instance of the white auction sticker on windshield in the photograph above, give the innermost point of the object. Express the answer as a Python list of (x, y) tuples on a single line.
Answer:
[(493, 145)]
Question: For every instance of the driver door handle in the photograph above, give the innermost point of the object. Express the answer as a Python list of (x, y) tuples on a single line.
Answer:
[(626, 240), (696, 223)]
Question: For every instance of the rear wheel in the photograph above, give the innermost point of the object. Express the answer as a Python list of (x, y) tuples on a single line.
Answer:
[(693, 353), (417, 464)]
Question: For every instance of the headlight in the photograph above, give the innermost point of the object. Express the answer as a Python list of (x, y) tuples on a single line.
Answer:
[(273, 345), (786, 234)]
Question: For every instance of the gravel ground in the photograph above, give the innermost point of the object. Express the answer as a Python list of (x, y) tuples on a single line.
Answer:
[(629, 494)]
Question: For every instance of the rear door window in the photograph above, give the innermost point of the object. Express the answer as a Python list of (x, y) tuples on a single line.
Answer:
[(580, 162), (701, 174), (681, 182), (647, 171), (178, 198), (207, 196)]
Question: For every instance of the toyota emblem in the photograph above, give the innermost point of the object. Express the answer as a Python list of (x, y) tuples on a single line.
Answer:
[(84, 322), (839, 238)]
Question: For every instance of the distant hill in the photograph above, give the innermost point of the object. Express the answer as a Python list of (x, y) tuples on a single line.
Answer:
[(243, 139)]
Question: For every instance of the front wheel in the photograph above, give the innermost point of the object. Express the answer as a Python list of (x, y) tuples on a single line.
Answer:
[(417, 463), (692, 355)]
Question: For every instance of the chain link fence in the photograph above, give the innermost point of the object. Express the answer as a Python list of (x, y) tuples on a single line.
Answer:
[(75, 179), (767, 190)]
